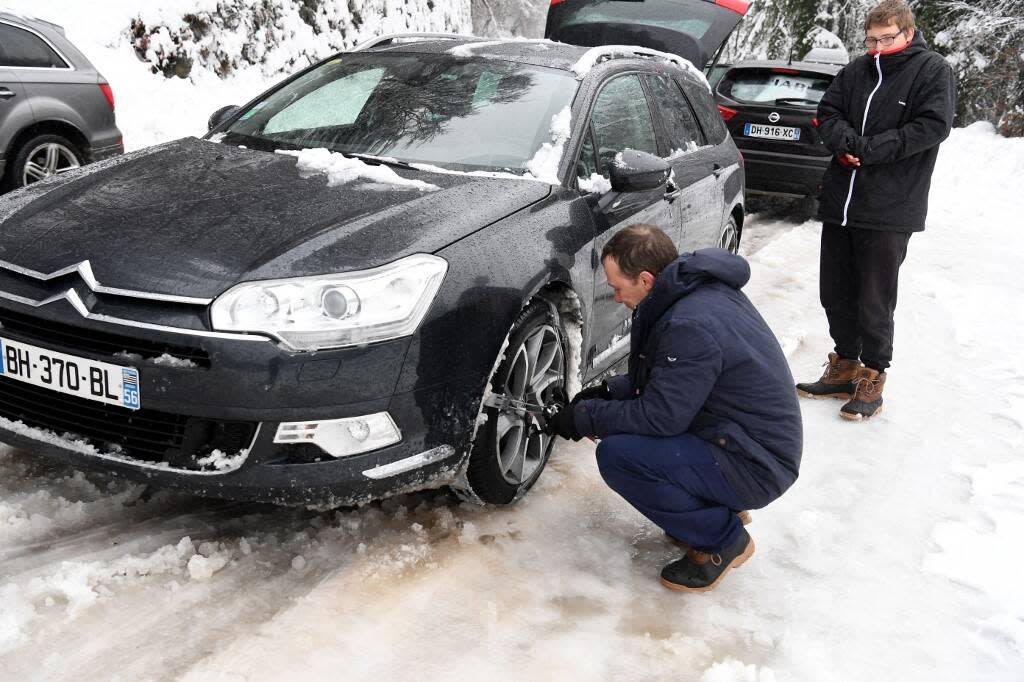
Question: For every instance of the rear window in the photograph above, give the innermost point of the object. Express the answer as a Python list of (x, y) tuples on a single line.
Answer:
[(693, 19), (771, 86), (707, 113), (24, 49)]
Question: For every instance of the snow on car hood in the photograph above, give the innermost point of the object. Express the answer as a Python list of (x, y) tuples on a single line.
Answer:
[(192, 218)]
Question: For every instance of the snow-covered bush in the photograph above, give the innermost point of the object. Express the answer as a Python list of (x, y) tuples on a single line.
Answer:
[(278, 35), (984, 41)]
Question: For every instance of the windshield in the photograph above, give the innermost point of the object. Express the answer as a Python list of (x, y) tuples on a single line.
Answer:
[(457, 113), (764, 86)]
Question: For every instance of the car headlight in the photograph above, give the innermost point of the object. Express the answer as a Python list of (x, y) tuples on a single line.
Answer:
[(332, 311)]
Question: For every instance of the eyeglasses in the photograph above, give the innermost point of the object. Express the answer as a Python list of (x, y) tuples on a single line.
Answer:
[(884, 41)]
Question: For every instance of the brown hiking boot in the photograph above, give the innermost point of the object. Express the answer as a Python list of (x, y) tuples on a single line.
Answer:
[(836, 382), (867, 399), (700, 571), (744, 516)]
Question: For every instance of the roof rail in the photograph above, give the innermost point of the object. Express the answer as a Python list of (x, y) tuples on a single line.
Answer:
[(392, 37)]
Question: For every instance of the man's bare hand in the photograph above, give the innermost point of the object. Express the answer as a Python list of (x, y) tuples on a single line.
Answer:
[(849, 160)]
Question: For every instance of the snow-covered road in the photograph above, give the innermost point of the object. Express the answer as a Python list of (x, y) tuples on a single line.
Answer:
[(891, 558)]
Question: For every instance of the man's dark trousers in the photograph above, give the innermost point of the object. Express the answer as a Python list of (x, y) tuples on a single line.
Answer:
[(859, 274), (676, 483)]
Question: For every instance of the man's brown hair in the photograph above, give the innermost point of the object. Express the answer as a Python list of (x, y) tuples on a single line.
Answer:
[(889, 11), (638, 248)]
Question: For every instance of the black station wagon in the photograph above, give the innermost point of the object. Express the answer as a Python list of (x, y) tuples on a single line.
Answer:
[(365, 281)]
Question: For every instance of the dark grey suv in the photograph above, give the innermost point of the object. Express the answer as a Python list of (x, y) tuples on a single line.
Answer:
[(56, 110)]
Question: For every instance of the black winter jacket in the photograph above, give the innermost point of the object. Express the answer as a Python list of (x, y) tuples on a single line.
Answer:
[(703, 361), (891, 111)]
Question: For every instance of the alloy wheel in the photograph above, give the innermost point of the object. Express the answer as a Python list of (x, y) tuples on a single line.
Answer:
[(536, 372), (46, 160), (730, 239)]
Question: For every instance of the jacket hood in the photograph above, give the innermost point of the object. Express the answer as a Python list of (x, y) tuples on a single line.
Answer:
[(193, 217), (683, 276)]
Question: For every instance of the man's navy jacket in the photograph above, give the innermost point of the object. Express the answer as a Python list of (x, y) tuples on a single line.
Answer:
[(703, 361)]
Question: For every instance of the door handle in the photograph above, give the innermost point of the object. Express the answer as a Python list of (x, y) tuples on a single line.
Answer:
[(5, 93), (718, 170), (672, 194)]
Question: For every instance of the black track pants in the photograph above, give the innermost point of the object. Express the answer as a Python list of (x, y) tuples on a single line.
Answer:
[(859, 273)]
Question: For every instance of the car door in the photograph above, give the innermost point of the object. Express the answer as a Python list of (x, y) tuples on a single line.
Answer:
[(620, 119), (15, 111), (725, 159), (693, 166)]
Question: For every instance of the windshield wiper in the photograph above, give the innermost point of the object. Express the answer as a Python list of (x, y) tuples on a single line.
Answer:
[(382, 160), (794, 100)]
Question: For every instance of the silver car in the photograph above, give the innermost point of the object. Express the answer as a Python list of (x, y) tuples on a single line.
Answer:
[(56, 110)]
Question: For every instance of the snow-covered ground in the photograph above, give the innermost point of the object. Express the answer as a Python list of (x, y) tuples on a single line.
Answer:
[(891, 557)]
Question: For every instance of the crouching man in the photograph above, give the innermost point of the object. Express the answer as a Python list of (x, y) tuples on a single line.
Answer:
[(705, 424)]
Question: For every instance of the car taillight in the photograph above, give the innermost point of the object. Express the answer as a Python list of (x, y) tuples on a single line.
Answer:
[(814, 122), (557, 2), (743, 162), (738, 6), (108, 93), (726, 112), (779, 69)]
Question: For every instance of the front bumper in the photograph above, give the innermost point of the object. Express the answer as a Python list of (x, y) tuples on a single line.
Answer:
[(782, 174), (237, 393)]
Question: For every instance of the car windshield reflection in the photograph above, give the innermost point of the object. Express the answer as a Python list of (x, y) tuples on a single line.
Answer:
[(456, 113)]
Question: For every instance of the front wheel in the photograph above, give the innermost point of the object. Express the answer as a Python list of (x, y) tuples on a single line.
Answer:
[(510, 451)]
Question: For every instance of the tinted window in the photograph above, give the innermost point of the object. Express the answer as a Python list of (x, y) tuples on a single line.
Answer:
[(622, 121), (21, 48), (681, 126), (766, 86), (707, 111), (455, 112)]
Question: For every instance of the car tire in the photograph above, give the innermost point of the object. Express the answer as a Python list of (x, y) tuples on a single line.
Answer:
[(502, 466), (41, 157), (730, 237)]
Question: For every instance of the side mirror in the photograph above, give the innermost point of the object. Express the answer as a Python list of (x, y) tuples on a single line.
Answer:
[(221, 115), (634, 171)]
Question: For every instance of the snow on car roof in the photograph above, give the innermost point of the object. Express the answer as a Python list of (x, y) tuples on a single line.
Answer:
[(813, 67), (595, 55), (540, 52), (535, 52)]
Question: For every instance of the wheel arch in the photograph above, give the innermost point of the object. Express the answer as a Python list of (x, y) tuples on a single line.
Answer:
[(50, 127)]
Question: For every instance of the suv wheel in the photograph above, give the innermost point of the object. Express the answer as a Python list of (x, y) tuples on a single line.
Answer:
[(730, 237), (41, 157), (510, 451)]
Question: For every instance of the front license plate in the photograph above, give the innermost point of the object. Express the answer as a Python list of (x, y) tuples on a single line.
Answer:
[(771, 132), (100, 381)]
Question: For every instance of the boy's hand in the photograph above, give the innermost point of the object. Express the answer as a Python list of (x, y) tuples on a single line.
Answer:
[(849, 160)]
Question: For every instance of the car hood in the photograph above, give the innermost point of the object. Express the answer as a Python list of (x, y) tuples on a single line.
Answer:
[(193, 217)]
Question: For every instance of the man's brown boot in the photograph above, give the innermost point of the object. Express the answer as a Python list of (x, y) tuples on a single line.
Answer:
[(836, 382), (867, 399)]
